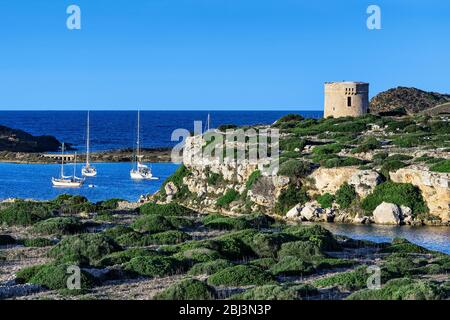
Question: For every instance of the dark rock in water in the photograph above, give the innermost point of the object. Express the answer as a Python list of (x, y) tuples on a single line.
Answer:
[(401, 101), (19, 141)]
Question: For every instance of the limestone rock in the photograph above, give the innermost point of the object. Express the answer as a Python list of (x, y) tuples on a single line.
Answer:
[(311, 210), (170, 188), (365, 181), (387, 213), (294, 213)]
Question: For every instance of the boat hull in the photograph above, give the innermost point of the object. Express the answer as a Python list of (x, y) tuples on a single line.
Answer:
[(91, 172), (66, 183), (136, 175)]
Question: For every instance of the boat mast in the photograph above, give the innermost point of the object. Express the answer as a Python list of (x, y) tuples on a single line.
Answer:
[(75, 166), (88, 141), (138, 139), (208, 122), (62, 161)]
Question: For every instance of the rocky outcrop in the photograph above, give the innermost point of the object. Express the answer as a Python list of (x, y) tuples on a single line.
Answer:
[(387, 213), (266, 190), (331, 179), (404, 100), (435, 188), (19, 141)]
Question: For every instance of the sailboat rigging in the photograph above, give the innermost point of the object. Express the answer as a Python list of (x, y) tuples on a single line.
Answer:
[(67, 181), (88, 170), (140, 171)]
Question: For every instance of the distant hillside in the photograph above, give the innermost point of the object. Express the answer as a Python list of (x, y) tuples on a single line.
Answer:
[(404, 100), (19, 141)]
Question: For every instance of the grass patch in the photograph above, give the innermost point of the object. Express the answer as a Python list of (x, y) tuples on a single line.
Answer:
[(241, 275)]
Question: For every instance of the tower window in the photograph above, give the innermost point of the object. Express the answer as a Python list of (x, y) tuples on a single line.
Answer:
[(349, 101)]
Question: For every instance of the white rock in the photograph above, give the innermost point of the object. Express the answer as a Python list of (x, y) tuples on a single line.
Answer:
[(406, 211), (365, 181), (294, 213), (387, 213), (311, 210), (170, 188)]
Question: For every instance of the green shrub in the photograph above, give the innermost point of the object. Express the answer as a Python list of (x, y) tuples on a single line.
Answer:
[(295, 169), (289, 198), (263, 263), (168, 237), (210, 267), (177, 180), (37, 242), (53, 276), (268, 244), (199, 255), (292, 266), (88, 247), (225, 223), (181, 222), (122, 257), (289, 118), (392, 166), (25, 213), (189, 289), (399, 157), (58, 226), (368, 144), (337, 162), (241, 275), (316, 234), (328, 149), (111, 204), (351, 280), (214, 179), (252, 179), (6, 240), (401, 289), (304, 250), (72, 204), (170, 209), (152, 224), (331, 263), (398, 193), (267, 292), (345, 196), (290, 144), (229, 196), (326, 200), (404, 246), (443, 166), (155, 266)]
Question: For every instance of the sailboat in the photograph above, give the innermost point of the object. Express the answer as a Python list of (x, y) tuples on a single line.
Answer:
[(67, 181), (88, 170), (140, 171)]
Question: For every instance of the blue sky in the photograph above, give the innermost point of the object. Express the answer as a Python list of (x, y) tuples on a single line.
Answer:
[(214, 54)]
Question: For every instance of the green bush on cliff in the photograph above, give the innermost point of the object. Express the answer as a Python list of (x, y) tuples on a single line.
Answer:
[(252, 179), (177, 180), (398, 193), (289, 198), (326, 200), (229, 196), (402, 289), (295, 169), (58, 226), (188, 289), (345, 195), (241, 275), (443, 166), (25, 213), (391, 166)]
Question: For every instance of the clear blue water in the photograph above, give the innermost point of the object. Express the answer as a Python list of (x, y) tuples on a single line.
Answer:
[(433, 238), (33, 181), (117, 129)]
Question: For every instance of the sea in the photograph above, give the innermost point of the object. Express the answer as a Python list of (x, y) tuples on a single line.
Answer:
[(112, 130)]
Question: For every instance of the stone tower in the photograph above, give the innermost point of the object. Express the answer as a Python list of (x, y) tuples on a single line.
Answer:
[(343, 99)]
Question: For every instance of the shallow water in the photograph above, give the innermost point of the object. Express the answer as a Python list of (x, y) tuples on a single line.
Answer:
[(433, 238), (33, 181)]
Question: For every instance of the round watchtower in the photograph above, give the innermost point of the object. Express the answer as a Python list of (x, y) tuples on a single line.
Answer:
[(344, 99)]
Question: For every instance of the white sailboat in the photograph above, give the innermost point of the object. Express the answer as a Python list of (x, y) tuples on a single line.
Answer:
[(67, 181), (88, 170), (140, 171)]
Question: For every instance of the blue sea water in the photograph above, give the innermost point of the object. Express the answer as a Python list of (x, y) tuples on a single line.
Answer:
[(117, 129), (33, 181)]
